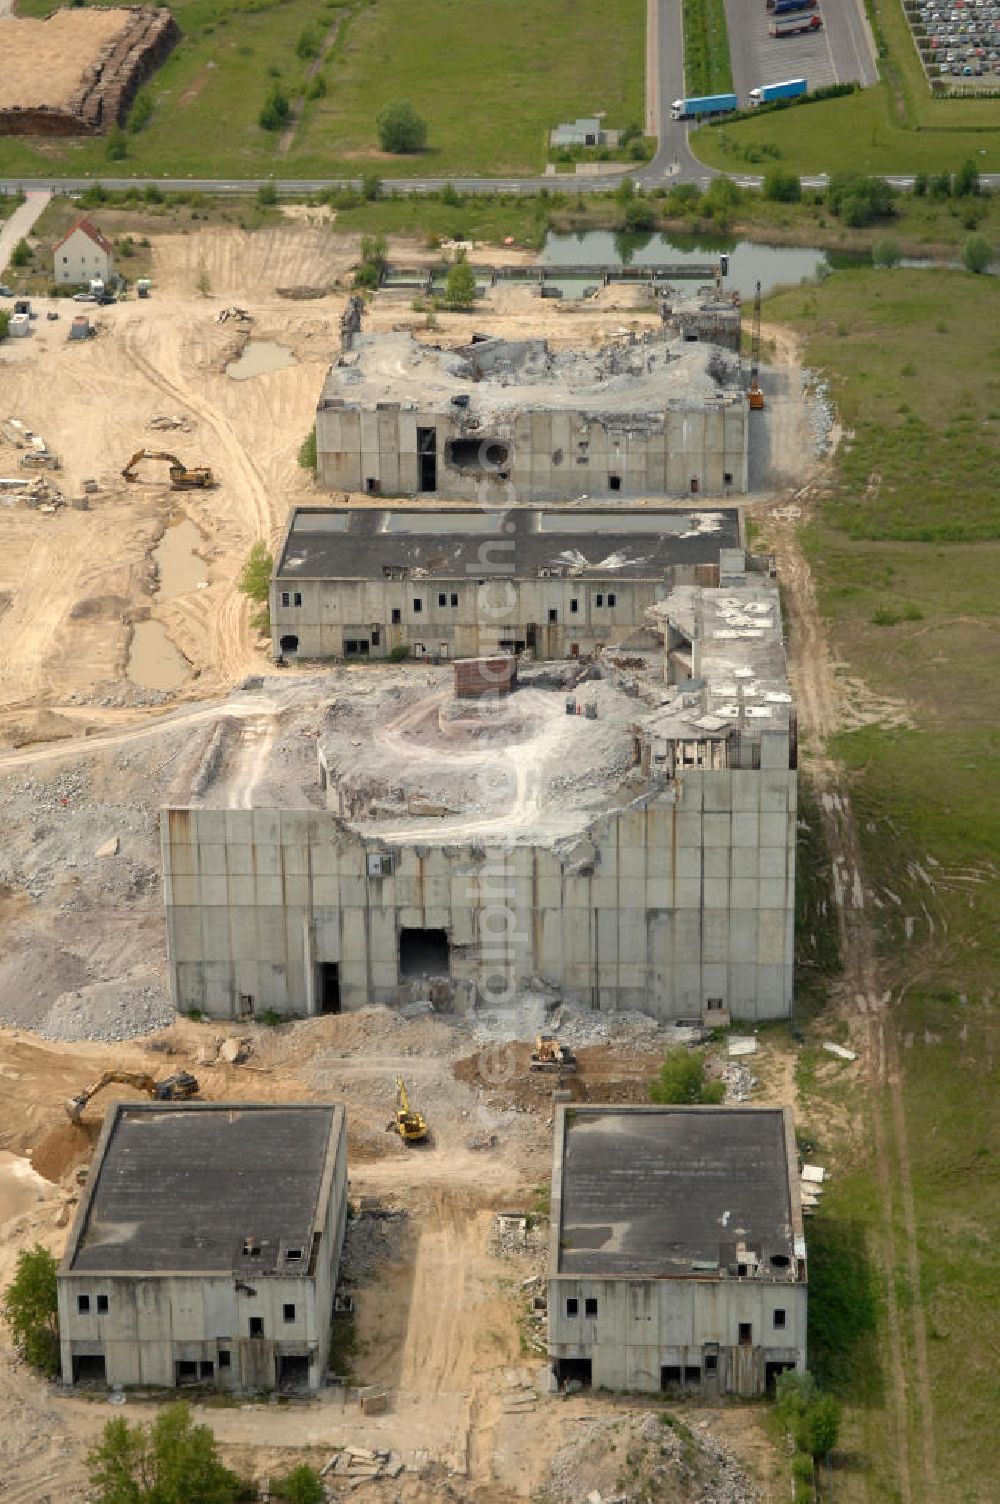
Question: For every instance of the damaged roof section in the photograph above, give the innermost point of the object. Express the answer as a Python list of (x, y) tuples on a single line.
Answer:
[(629, 382)]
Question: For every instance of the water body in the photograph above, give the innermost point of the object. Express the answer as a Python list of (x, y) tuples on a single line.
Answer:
[(153, 661), (749, 262), (259, 357), (178, 568)]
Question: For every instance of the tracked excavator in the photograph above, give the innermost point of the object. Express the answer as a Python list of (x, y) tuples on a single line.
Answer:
[(181, 478), (551, 1055), (175, 1088), (409, 1124)]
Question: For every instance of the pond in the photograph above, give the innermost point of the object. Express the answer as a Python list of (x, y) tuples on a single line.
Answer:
[(153, 661), (749, 262), (178, 567), (258, 358)]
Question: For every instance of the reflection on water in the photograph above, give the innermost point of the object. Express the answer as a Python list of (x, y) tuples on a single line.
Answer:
[(153, 661), (259, 357), (749, 263), (178, 568)]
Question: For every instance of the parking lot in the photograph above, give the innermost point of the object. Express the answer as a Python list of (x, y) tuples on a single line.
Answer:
[(956, 40), (840, 52)]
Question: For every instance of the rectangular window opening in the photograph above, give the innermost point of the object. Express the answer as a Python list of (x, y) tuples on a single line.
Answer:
[(614, 482), (746, 1334), (397, 616), (224, 1358), (572, 1306), (612, 598), (454, 597), (692, 1375), (418, 604), (285, 598), (779, 1319), (599, 599), (206, 1369), (89, 1368), (297, 598), (288, 1312), (424, 953), (711, 1363), (590, 1306), (442, 598), (574, 606), (83, 1305), (553, 614), (256, 1326), (102, 1306)]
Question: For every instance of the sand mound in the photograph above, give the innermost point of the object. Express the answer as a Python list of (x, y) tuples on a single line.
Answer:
[(61, 1150)]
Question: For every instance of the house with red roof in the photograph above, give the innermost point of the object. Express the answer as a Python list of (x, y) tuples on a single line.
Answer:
[(83, 254)]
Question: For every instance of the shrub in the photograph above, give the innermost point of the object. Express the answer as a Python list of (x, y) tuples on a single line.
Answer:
[(977, 253), (171, 1460), (920, 185), (803, 1468), (31, 1309), (275, 110), (139, 114), (371, 187), (307, 45), (858, 200), (255, 581), (21, 254), (886, 253), (966, 179), (303, 1485), (818, 1428), (398, 653), (682, 1079), (450, 195), (783, 187), (400, 129), (307, 450), (116, 149), (4, 323), (267, 194), (639, 215), (153, 194), (316, 87)]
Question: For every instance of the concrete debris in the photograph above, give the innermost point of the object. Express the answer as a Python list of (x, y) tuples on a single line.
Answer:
[(663, 1458), (233, 1051), (813, 1174), (359, 1464), (840, 1050), (742, 1044), (739, 1082), (165, 423), (234, 312), (109, 848), (819, 407)]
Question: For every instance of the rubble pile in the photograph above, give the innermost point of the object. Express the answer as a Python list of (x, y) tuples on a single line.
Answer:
[(627, 1458), (739, 1082)]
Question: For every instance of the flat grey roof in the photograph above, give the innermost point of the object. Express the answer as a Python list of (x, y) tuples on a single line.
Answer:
[(468, 542), (672, 1190), (179, 1187)]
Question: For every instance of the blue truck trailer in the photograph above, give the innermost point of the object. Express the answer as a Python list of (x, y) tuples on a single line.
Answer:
[(789, 88), (703, 105), (788, 7)]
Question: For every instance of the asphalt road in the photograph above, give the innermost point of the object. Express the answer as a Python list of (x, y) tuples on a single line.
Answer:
[(840, 53)]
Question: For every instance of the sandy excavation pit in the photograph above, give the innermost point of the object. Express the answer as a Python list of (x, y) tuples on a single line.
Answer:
[(78, 71)]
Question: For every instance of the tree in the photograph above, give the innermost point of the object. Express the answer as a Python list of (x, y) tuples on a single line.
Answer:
[(307, 450), (977, 254), (302, 1485), (966, 179), (255, 580), (819, 1426), (460, 288), (886, 253), (21, 254), (171, 1462), (639, 215), (4, 323), (31, 1309), (267, 194), (371, 186), (783, 187), (400, 129), (117, 147), (275, 110), (682, 1080)]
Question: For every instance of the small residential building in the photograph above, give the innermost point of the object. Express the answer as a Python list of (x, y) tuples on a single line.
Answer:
[(206, 1247), (677, 1259), (362, 582), (585, 132), (83, 254)]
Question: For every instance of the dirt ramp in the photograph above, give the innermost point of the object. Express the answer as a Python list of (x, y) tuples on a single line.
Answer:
[(63, 1149)]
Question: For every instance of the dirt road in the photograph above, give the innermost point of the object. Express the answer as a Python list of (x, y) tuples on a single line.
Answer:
[(22, 221)]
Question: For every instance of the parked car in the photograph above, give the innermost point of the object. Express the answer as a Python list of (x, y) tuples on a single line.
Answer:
[(5, 291), (84, 297)]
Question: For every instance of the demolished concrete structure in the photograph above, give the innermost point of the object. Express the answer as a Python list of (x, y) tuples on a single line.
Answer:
[(206, 1247), (360, 582), (507, 421), (624, 831), (677, 1260)]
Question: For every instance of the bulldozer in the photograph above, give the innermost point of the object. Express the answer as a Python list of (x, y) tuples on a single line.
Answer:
[(550, 1055), (175, 1088), (181, 478), (408, 1123)]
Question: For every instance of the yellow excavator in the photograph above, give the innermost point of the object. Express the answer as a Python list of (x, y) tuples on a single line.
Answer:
[(408, 1123), (175, 1088), (181, 478), (550, 1054)]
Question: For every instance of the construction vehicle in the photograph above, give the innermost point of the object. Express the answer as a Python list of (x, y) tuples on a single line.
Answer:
[(408, 1123), (755, 396), (175, 1088), (181, 478), (550, 1055), (143, 286)]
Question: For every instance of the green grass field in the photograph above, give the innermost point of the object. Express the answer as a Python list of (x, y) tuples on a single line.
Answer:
[(894, 127), (490, 77), (917, 621)]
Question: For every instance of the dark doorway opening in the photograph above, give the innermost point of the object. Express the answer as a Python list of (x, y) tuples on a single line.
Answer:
[(356, 647), (89, 1368), (185, 1372), (289, 644), (574, 1368), (692, 1375), (256, 1326), (771, 1372), (424, 953), (427, 455), (746, 1334), (206, 1369), (670, 1376), (293, 1373), (531, 636), (328, 986), (615, 482)]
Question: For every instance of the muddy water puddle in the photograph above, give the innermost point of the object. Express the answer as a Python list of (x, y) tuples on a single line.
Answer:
[(153, 661), (178, 568), (20, 1187), (260, 357)]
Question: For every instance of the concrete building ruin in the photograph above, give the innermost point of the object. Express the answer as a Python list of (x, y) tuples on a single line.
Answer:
[(620, 828), (506, 421), (677, 1259), (363, 583), (206, 1247)]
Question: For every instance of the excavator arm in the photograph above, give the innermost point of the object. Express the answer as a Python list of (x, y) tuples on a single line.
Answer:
[(181, 478), (175, 1088)]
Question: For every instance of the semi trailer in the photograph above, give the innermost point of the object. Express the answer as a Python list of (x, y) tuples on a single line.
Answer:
[(789, 88), (790, 26), (703, 105)]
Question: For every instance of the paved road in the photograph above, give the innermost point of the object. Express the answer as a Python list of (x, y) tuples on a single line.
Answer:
[(21, 222), (842, 52)]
